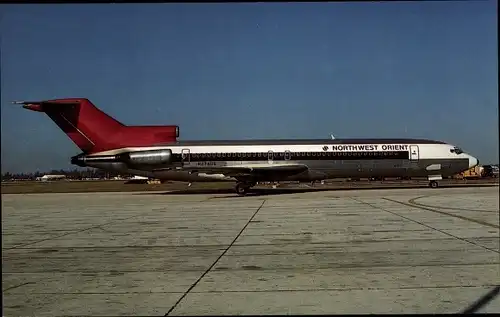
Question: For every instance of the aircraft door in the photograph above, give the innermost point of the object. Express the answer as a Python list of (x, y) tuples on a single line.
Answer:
[(185, 156), (270, 157), (288, 155), (414, 154)]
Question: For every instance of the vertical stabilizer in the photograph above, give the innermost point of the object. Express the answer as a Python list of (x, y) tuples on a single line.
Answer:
[(92, 130)]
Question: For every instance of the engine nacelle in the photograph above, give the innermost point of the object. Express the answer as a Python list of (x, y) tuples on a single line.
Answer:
[(152, 157)]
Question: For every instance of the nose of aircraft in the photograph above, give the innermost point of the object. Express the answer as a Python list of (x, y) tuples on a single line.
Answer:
[(473, 161)]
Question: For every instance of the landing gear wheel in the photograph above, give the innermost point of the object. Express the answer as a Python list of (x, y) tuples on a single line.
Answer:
[(242, 189), (433, 184)]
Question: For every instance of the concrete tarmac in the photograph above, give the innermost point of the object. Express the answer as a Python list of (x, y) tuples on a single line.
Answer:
[(330, 252)]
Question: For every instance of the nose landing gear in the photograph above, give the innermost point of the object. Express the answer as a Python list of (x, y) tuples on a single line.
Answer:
[(433, 180), (433, 184)]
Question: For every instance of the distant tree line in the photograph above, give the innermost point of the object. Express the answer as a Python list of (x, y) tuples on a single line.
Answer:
[(76, 174)]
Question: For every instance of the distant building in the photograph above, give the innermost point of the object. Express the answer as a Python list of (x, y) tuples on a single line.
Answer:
[(136, 179), (45, 178)]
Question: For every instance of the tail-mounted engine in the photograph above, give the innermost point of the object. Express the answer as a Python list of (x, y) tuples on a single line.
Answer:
[(152, 157)]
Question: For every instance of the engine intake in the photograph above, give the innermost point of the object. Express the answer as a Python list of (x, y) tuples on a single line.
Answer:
[(152, 157)]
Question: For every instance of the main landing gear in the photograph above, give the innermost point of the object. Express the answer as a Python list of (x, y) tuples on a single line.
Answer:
[(242, 188), (433, 184)]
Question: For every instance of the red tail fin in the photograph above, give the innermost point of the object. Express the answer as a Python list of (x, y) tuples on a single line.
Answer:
[(93, 130)]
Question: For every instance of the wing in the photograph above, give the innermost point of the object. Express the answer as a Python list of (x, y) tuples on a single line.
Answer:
[(266, 171)]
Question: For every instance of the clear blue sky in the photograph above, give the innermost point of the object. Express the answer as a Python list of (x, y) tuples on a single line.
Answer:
[(232, 71)]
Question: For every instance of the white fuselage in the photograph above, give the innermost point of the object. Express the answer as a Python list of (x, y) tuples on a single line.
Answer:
[(202, 161)]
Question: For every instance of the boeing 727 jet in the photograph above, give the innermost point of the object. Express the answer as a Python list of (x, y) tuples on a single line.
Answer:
[(155, 152)]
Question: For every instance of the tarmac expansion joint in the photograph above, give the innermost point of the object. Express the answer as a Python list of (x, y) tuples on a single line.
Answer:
[(216, 260), (421, 223)]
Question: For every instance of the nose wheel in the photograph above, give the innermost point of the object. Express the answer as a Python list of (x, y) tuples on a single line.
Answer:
[(433, 184)]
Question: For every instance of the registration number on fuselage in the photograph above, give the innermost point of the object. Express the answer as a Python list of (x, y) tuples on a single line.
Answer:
[(206, 163)]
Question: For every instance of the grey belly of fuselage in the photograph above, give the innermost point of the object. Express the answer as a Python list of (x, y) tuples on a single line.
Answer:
[(318, 169), (381, 168)]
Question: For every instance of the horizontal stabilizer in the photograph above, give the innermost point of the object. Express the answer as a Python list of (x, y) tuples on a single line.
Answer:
[(46, 105)]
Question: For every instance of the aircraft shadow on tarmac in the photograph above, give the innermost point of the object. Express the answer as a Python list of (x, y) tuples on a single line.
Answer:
[(284, 191), (231, 193)]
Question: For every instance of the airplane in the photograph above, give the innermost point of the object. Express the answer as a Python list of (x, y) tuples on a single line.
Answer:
[(105, 145)]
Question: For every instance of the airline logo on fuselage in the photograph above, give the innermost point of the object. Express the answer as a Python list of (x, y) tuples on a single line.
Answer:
[(368, 147)]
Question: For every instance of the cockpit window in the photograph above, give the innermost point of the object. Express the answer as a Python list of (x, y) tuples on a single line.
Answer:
[(456, 150)]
